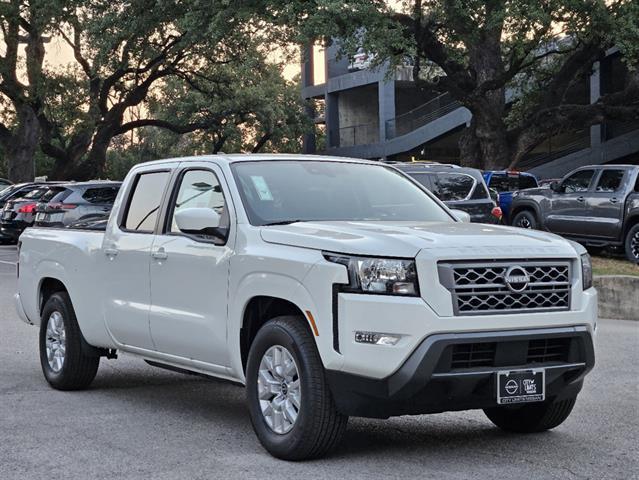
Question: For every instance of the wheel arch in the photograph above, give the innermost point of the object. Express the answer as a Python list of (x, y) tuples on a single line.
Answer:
[(526, 206), (48, 286), (257, 299)]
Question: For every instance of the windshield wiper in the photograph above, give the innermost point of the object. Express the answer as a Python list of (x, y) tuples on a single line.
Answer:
[(284, 222)]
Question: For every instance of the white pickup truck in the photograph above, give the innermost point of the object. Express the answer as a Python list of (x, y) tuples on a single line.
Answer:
[(329, 287)]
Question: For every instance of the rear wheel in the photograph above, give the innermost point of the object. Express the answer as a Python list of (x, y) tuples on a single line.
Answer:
[(525, 219), (64, 364), (536, 417), (291, 406), (632, 244)]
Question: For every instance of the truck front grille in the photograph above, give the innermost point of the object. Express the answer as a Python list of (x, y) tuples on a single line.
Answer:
[(482, 287)]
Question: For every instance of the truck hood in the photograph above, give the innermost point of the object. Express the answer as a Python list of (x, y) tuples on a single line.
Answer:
[(406, 239)]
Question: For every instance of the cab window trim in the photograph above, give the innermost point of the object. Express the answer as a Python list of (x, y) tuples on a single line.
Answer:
[(124, 212), (167, 219)]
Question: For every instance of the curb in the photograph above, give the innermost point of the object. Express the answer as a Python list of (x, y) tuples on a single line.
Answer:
[(618, 296)]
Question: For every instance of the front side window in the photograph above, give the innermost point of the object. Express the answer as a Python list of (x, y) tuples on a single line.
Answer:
[(201, 189), (285, 191), (36, 194), (578, 182), (610, 181), (144, 203)]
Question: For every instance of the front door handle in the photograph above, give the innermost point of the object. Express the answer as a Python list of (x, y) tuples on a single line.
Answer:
[(580, 199), (160, 254), (614, 200)]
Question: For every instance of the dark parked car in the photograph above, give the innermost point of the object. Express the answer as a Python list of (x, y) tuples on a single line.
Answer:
[(506, 183), (458, 187), (66, 204), (596, 205), (18, 208)]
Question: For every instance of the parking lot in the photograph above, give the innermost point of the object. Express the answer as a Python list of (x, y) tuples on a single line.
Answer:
[(140, 422)]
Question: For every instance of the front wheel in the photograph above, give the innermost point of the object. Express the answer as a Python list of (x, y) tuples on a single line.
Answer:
[(632, 244), (291, 406), (525, 219), (64, 363), (531, 418)]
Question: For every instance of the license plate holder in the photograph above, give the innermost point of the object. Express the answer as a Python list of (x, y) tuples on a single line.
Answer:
[(521, 386)]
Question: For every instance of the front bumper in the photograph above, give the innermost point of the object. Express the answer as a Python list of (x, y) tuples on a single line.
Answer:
[(430, 382)]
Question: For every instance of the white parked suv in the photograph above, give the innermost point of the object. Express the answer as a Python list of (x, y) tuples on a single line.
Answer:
[(329, 287)]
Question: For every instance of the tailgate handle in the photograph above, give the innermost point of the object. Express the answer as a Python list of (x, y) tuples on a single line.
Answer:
[(110, 252)]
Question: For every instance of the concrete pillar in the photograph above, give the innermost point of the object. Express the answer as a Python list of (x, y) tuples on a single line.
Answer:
[(596, 131), (309, 140), (332, 119), (386, 94), (307, 66)]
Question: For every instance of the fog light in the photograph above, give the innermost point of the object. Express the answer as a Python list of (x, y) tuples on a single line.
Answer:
[(376, 338)]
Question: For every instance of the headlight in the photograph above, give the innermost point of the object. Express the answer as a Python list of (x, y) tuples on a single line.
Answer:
[(586, 271), (383, 276)]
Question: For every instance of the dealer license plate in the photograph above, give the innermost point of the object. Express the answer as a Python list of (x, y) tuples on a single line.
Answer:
[(521, 386)]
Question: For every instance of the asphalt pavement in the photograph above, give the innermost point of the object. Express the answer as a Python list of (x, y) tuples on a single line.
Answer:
[(140, 422)]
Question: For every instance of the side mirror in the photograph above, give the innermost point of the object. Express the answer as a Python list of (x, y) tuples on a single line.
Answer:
[(461, 215), (197, 220)]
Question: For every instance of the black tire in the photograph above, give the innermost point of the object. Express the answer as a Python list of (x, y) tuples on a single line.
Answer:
[(632, 244), (318, 427), (525, 219), (531, 418), (78, 369)]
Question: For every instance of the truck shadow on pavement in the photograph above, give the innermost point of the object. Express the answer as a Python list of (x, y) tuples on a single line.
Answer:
[(221, 406)]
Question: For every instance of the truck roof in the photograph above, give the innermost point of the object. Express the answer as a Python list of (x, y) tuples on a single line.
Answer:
[(247, 157)]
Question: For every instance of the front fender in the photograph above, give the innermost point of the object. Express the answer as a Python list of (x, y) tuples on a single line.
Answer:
[(519, 204), (262, 284)]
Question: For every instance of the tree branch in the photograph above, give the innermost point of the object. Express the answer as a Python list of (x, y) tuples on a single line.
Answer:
[(173, 127)]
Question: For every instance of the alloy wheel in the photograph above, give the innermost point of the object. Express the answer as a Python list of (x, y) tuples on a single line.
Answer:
[(524, 223), (634, 245), (279, 390), (55, 342)]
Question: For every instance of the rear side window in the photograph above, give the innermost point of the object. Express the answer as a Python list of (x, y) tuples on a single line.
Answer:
[(610, 181), (55, 193), (452, 186), (102, 195), (36, 194), (144, 203)]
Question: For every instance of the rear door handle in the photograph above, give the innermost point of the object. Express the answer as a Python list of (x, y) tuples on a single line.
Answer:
[(614, 200), (160, 254), (580, 199)]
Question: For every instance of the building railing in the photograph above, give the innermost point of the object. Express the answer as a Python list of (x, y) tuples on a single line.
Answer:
[(581, 142), (422, 115)]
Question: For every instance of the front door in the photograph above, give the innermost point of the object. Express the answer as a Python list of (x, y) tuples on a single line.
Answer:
[(605, 206), (568, 208), (189, 273), (125, 259)]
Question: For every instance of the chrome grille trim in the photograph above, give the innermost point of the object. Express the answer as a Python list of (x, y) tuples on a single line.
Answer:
[(479, 287)]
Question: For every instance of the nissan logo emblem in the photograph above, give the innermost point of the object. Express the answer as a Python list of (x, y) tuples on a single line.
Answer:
[(516, 279)]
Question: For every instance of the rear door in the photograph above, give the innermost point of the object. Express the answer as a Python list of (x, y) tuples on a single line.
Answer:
[(189, 272), (568, 204), (605, 205), (126, 254), (96, 201), (464, 192)]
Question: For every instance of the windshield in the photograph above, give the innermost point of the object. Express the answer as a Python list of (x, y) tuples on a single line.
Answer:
[(287, 191)]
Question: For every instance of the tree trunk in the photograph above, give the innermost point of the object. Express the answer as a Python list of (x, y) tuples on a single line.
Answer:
[(469, 151), (23, 145), (94, 167)]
